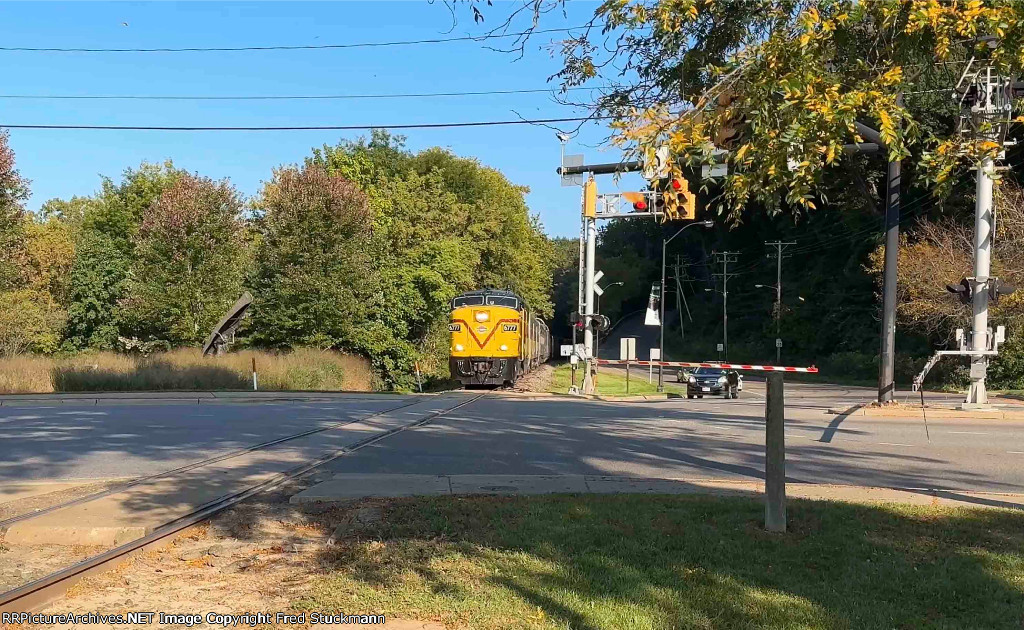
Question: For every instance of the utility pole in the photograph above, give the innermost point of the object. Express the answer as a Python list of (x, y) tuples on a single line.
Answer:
[(725, 258), (779, 246)]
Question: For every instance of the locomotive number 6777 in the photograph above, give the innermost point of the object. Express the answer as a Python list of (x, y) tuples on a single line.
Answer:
[(496, 338)]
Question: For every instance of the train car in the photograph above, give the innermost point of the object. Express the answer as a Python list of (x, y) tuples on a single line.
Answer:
[(496, 338)]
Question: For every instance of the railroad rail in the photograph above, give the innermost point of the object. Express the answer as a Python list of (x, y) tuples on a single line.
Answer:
[(728, 366), (34, 595)]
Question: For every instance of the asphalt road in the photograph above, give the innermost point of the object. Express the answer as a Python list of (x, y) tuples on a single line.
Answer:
[(706, 438)]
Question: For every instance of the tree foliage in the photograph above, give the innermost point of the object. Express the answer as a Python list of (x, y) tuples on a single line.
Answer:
[(13, 192), (311, 280), (188, 264), (782, 82)]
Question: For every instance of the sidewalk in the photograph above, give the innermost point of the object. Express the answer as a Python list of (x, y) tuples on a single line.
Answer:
[(356, 486), (1001, 409)]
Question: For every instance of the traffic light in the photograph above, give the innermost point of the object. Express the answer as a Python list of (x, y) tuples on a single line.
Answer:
[(638, 199), (997, 287), (964, 291), (600, 322), (590, 198), (675, 199)]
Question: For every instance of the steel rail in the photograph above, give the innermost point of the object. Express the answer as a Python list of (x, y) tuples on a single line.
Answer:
[(121, 487), (34, 595)]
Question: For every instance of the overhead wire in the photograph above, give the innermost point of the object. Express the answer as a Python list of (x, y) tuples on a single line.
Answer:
[(281, 97), (410, 42), (446, 125)]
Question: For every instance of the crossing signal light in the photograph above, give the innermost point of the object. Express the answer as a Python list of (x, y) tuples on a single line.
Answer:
[(997, 287), (638, 199), (964, 291)]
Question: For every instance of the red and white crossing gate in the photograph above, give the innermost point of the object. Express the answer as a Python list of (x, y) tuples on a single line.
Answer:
[(728, 366)]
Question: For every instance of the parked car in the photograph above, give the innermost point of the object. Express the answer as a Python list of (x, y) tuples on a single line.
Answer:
[(713, 381)]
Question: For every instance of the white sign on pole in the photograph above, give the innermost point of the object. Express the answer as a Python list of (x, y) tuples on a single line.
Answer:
[(721, 347), (597, 289), (655, 354), (565, 350), (653, 316), (627, 349), (597, 276), (778, 342), (573, 359)]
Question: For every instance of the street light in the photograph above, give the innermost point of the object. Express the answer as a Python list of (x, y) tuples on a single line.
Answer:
[(661, 320), (597, 309)]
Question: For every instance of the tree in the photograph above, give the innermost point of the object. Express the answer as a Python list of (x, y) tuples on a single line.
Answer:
[(781, 83), (312, 278), (13, 191), (188, 260), (106, 229), (49, 256), (30, 321)]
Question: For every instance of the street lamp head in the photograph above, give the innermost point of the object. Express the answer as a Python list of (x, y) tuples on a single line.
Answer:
[(759, 286), (707, 223), (708, 290)]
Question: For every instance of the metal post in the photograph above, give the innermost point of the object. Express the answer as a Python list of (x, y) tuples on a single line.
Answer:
[(255, 384), (588, 334), (887, 358), (977, 395), (627, 376), (661, 317), (775, 455)]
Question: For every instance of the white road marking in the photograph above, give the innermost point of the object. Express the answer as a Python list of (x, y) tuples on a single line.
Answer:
[(968, 432), (894, 444), (1015, 452)]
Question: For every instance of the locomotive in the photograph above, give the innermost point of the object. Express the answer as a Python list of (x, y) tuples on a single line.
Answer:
[(496, 338)]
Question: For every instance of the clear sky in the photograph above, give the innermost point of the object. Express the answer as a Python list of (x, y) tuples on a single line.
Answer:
[(62, 163)]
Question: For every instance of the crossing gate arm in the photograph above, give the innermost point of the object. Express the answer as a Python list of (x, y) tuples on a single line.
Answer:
[(729, 366)]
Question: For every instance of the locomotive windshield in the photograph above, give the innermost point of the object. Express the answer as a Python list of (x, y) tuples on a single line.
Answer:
[(468, 300), (497, 300)]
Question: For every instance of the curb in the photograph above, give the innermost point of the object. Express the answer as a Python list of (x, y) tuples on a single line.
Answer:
[(869, 411)]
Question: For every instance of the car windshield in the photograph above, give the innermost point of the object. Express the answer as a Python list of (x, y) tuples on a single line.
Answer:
[(706, 371), (471, 300)]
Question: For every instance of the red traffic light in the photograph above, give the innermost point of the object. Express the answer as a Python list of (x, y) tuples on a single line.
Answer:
[(640, 205), (676, 184)]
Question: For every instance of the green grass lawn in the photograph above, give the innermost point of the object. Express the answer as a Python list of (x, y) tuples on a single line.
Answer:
[(645, 562), (610, 382)]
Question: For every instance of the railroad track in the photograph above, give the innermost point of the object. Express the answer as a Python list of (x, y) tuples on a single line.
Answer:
[(33, 595)]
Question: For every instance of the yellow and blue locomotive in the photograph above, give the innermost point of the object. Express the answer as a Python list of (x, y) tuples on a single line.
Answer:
[(495, 338)]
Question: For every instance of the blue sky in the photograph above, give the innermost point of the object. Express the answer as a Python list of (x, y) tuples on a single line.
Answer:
[(69, 162)]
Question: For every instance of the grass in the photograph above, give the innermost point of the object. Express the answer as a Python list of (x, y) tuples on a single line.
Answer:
[(186, 370), (610, 382), (660, 562)]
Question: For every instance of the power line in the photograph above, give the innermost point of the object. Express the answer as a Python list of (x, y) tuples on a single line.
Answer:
[(268, 97), (483, 123), (410, 42)]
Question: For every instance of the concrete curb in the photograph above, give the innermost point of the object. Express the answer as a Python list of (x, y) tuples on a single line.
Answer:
[(932, 413)]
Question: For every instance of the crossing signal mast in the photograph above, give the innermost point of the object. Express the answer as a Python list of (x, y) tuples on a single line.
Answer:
[(668, 198), (987, 102)]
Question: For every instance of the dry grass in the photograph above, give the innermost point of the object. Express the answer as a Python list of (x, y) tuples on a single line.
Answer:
[(186, 369)]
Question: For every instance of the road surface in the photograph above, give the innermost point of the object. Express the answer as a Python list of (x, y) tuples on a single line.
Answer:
[(706, 438)]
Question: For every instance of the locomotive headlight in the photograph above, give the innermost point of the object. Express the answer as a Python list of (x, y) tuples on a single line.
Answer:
[(482, 316), (504, 348), (458, 347)]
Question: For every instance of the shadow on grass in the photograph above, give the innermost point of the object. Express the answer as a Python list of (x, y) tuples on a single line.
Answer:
[(152, 375), (680, 562)]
